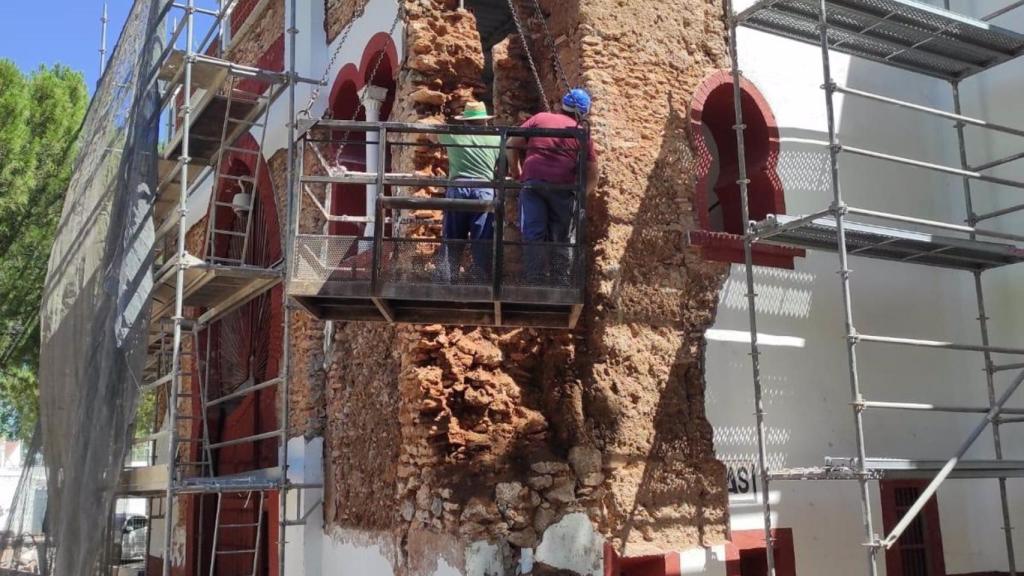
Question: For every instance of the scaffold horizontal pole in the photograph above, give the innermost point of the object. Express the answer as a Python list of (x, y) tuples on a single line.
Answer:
[(935, 224), (244, 392), (938, 344), (908, 162), (931, 166), (914, 406), (1000, 212), (245, 440), (1003, 10), (999, 162), (927, 110)]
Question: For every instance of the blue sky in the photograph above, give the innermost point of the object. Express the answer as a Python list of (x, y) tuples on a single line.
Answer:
[(34, 32)]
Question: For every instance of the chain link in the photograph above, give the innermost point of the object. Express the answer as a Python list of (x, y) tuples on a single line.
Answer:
[(559, 71), (529, 57), (373, 74)]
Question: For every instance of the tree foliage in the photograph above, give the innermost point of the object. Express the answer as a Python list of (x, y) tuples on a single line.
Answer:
[(40, 115)]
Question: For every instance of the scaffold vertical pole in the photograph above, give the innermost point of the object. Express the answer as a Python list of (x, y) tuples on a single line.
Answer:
[(293, 32), (755, 354), (844, 278), (179, 288), (972, 221), (104, 20)]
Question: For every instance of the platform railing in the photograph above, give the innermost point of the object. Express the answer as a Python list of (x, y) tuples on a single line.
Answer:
[(407, 256)]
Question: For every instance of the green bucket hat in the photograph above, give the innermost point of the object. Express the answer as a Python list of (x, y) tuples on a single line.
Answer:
[(474, 111)]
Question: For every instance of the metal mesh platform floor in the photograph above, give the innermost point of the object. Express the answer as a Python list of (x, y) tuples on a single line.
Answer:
[(901, 33), (886, 243), (393, 308)]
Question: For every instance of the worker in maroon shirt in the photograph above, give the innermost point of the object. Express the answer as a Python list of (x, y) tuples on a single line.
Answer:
[(546, 215)]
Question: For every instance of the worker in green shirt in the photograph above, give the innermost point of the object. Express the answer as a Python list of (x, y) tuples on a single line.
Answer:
[(470, 156)]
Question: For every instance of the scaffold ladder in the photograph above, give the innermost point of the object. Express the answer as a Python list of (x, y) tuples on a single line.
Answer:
[(191, 393), (247, 548), (245, 184)]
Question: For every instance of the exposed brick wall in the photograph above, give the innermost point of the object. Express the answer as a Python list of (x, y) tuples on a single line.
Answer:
[(499, 432), (338, 13), (652, 298), (262, 43)]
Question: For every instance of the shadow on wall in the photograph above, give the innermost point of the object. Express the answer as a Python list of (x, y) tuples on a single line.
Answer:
[(664, 297), (785, 293)]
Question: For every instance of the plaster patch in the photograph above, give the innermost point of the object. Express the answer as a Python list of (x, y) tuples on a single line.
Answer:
[(484, 559), (358, 552), (703, 561), (573, 544)]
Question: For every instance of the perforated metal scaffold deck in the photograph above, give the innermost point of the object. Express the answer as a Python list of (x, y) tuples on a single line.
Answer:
[(902, 33), (885, 243)]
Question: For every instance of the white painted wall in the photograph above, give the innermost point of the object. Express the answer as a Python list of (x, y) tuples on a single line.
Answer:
[(304, 543), (804, 372)]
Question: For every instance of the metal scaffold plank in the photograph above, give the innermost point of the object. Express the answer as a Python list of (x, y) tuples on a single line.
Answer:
[(887, 243), (901, 33)]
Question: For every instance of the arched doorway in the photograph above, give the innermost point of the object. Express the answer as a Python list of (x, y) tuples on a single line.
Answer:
[(245, 345)]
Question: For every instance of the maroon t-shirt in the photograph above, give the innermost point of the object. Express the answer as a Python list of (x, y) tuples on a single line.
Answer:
[(552, 160)]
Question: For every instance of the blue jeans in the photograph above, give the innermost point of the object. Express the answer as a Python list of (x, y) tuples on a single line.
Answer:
[(473, 226), (546, 216)]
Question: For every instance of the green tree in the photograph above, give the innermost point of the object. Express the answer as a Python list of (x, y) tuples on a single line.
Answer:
[(40, 115)]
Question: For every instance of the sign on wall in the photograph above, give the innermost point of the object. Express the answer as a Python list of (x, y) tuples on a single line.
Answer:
[(741, 478)]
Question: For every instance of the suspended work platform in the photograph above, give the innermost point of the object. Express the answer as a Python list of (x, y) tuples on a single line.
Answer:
[(886, 243), (903, 33), (403, 271)]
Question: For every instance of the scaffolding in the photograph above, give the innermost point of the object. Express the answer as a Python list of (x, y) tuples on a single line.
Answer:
[(211, 103), (941, 44), (209, 113)]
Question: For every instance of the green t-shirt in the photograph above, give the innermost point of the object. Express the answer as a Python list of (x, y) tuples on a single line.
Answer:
[(471, 155)]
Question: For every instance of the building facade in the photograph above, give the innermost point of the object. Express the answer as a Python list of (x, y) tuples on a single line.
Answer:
[(625, 446)]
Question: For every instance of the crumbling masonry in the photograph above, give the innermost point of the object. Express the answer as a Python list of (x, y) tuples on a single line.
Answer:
[(443, 436)]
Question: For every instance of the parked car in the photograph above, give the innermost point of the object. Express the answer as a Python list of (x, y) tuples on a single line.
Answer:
[(134, 534)]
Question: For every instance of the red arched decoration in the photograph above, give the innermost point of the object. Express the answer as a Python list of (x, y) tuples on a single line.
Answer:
[(378, 65), (712, 108), (381, 41)]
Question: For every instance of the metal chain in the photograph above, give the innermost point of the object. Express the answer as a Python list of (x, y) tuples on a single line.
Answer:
[(559, 71), (373, 74), (529, 57)]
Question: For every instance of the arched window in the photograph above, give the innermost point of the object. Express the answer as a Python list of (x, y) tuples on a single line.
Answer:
[(378, 67), (717, 196)]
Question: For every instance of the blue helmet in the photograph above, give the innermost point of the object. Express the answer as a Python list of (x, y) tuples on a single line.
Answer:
[(576, 100)]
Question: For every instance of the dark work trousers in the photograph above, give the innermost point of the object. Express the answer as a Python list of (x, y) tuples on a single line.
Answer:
[(546, 216), (478, 227)]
